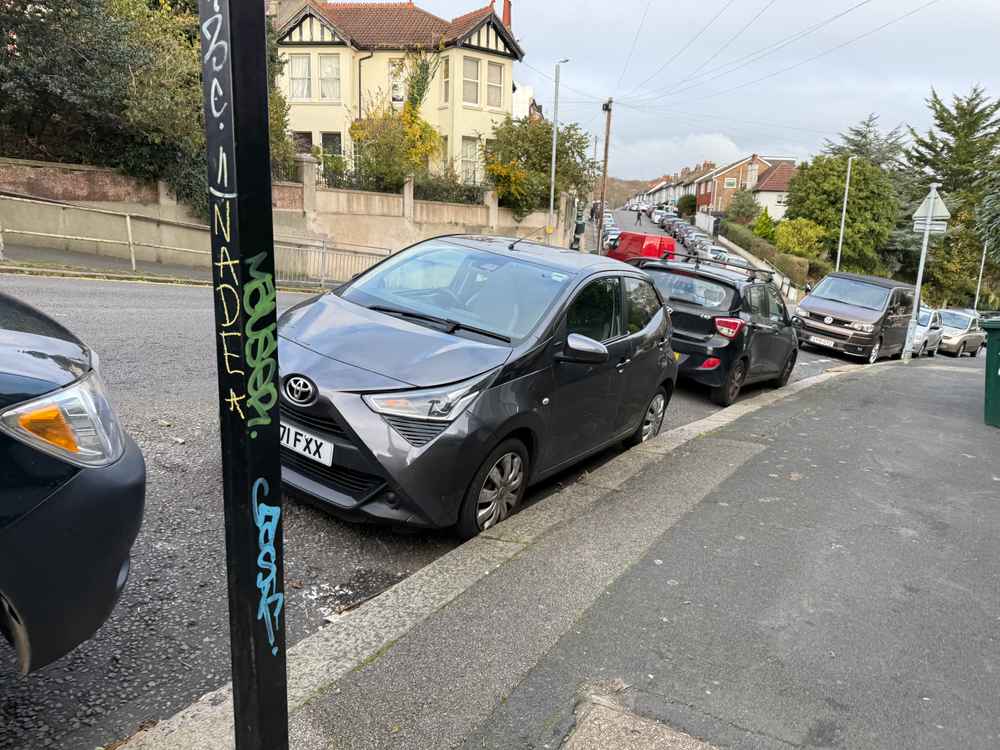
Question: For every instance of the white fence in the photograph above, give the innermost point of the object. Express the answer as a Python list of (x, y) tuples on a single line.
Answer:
[(134, 237)]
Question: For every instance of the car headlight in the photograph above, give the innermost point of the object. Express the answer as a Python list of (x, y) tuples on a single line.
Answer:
[(801, 312), (863, 327), (442, 404), (76, 424)]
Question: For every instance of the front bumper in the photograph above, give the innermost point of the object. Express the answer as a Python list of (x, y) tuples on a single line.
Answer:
[(952, 346), (67, 562), (377, 475), (838, 339)]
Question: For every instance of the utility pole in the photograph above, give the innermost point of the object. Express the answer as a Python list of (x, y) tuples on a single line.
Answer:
[(604, 179), (550, 227), (979, 284), (843, 213), (235, 90)]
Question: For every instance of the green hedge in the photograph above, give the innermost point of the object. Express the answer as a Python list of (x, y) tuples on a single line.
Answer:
[(794, 267), (746, 239)]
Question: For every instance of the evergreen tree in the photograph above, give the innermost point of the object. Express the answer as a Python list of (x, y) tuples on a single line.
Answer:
[(743, 208), (764, 226), (958, 151), (867, 141), (817, 193)]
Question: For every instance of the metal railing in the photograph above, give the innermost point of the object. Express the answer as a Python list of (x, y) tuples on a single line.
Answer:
[(298, 260)]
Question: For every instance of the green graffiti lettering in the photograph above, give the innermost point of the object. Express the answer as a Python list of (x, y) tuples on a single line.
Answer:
[(259, 297)]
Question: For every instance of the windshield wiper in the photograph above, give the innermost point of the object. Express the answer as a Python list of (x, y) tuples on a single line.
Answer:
[(448, 324)]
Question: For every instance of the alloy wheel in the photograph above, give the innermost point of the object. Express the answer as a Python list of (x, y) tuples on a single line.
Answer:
[(736, 380), (500, 491), (653, 420)]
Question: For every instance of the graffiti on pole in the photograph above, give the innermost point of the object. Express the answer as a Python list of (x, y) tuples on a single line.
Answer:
[(235, 106)]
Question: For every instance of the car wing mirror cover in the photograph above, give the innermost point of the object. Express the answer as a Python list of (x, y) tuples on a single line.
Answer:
[(580, 348)]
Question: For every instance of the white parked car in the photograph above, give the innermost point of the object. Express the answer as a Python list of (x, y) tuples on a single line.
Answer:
[(927, 339), (656, 216)]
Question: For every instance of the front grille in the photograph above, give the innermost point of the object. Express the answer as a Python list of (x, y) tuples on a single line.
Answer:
[(329, 425), (417, 432), (351, 482)]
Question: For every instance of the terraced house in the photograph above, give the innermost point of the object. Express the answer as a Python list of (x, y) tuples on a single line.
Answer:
[(342, 58)]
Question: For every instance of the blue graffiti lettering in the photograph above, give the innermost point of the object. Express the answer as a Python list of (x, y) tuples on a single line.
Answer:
[(271, 601)]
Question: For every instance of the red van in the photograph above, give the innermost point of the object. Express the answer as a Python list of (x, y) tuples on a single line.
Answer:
[(639, 245)]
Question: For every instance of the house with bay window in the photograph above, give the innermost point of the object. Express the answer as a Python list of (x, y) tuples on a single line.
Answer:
[(342, 58)]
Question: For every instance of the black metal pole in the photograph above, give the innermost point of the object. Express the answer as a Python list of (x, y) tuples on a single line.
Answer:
[(235, 87)]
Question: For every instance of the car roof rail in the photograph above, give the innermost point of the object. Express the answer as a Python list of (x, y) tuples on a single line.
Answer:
[(754, 273)]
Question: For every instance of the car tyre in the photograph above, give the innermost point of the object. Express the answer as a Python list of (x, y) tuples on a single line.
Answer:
[(729, 391), (961, 351), (652, 419), (923, 350), (933, 352), (786, 373), (497, 489), (875, 352)]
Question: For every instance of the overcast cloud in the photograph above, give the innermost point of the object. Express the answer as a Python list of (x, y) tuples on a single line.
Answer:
[(951, 45)]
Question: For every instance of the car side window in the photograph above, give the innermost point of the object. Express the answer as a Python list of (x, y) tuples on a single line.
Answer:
[(757, 302), (776, 308), (597, 310), (643, 304)]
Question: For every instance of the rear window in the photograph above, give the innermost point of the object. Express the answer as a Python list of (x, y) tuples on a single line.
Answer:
[(693, 290)]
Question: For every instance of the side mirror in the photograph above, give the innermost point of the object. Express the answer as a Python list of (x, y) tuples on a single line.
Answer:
[(936, 327), (809, 288), (583, 349)]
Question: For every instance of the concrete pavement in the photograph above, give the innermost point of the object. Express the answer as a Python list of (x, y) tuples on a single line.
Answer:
[(818, 571)]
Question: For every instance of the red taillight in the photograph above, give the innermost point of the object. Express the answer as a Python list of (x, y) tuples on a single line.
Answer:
[(710, 364), (729, 327)]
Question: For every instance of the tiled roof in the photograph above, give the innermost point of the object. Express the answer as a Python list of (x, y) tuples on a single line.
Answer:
[(776, 179), (397, 25)]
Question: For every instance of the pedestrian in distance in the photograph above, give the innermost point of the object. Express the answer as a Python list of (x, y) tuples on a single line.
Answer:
[(638, 217)]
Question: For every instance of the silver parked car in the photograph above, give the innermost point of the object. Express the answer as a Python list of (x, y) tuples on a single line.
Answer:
[(927, 339), (962, 332)]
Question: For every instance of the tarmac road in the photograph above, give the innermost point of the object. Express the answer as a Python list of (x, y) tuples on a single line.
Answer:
[(167, 642)]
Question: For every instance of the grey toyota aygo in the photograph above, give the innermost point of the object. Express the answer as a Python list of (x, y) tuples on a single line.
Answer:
[(433, 389)]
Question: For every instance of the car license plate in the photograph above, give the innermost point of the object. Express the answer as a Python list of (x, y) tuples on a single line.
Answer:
[(306, 444), (821, 341)]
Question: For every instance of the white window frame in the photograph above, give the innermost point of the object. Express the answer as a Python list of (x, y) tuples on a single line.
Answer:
[(735, 183), (397, 82), (336, 57), (292, 79), (477, 80), (470, 166), (446, 81), (494, 87)]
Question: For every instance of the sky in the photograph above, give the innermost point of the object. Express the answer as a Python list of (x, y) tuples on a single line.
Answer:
[(719, 79)]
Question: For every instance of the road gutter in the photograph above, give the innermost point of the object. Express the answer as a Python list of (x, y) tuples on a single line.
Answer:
[(365, 634)]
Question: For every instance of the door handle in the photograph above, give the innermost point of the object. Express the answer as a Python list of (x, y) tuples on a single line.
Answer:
[(622, 364)]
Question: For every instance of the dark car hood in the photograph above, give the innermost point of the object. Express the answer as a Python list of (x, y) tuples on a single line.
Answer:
[(820, 307), (37, 354), (383, 345)]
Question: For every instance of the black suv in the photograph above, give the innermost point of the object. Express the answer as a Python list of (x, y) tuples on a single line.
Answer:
[(731, 327)]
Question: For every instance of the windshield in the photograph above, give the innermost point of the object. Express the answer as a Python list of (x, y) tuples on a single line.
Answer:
[(955, 320), (925, 318), (676, 287), (851, 292), (505, 296)]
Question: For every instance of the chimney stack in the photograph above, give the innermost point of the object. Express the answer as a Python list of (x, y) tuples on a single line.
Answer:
[(506, 14)]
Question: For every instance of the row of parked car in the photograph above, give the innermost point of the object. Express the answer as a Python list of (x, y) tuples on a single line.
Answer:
[(430, 391)]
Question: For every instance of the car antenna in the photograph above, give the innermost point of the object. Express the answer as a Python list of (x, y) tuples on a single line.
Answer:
[(513, 245)]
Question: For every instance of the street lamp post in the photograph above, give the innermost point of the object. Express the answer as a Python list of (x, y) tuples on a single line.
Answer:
[(843, 213), (555, 138), (979, 284)]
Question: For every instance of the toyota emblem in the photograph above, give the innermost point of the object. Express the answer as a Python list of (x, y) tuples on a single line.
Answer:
[(300, 390), (828, 320)]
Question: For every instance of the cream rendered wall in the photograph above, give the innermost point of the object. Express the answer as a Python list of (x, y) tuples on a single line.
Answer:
[(454, 119), (316, 115), (773, 202)]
